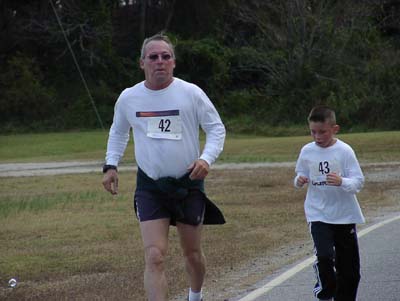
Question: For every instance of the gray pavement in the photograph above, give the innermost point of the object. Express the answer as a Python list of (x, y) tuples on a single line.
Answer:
[(382, 170), (75, 167), (380, 270)]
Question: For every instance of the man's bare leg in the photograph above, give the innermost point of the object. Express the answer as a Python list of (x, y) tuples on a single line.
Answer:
[(190, 238), (155, 241)]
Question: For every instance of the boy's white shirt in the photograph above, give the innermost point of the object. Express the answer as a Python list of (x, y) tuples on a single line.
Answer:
[(159, 153), (325, 203)]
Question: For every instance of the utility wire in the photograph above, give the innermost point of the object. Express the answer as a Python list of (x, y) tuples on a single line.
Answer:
[(77, 65)]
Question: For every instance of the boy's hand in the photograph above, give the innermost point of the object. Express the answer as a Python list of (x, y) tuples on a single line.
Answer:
[(301, 180), (333, 179)]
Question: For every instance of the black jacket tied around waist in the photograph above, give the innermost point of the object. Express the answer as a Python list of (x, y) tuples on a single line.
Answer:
[(177, 190)]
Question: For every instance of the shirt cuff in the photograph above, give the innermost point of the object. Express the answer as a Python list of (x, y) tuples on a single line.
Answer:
[(112, 162), (206, 158)]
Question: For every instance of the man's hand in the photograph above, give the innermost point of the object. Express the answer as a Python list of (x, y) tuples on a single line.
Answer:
[(301, 180), (199, 169), (333, 179), (110, 181)]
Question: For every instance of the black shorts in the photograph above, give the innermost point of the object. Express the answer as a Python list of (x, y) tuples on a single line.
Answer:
[(151, 205)]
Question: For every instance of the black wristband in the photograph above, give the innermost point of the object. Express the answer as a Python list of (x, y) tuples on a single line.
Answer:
[(107, 167)]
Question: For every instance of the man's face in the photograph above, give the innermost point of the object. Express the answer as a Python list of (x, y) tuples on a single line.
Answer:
[(323, 132), (158, 65)]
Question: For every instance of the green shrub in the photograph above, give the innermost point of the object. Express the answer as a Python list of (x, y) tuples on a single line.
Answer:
[(206, 63), (24, 100)]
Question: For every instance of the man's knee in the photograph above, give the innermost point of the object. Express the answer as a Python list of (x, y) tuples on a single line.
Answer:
[(154, 257), (194, 257)]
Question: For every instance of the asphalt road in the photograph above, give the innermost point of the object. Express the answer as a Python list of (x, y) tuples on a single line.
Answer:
[(380, 270)]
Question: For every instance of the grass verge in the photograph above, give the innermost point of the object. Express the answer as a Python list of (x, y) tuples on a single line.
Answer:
[(372, 147), (65, 238)]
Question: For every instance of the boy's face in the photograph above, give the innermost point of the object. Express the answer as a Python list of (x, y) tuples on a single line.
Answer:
[(323, 132)]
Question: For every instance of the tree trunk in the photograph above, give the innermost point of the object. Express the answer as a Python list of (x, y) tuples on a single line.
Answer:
[(142, 29)]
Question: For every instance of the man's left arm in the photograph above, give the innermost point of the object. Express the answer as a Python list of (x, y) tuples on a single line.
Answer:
[(212, 125)]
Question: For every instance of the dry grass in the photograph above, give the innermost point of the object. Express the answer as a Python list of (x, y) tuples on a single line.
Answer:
[(66, 239)]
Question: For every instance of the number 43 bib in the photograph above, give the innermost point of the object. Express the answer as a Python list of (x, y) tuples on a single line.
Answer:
[(319, 170)]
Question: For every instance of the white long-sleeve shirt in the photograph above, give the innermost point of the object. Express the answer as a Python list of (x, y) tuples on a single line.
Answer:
[(165, 127), (325, 203)]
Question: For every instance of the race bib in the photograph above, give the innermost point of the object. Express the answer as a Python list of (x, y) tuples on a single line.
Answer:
[(162, 124), (319, 170), (165, 127)]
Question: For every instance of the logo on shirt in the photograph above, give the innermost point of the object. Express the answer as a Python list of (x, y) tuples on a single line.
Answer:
[(158, 113), (319, 183)]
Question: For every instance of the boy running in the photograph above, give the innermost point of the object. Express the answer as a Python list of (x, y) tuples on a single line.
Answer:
[(330, 168)]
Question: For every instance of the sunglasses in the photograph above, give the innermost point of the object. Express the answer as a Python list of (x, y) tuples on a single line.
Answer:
[(164, 57)]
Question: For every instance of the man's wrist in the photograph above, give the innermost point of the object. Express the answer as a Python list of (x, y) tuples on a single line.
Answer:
[(107, 167), (205, 159)]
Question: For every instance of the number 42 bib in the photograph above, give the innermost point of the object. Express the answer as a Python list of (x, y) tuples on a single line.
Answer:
[(163, 124)]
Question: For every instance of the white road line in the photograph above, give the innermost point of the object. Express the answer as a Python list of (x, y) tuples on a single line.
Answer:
[(376, 226), (305, 263)]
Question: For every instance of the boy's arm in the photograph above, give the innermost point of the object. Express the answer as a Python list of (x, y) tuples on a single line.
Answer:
[(301, 173), (300, 181), (353, 179)]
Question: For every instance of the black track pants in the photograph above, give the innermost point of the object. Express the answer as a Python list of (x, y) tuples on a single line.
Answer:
[(337, 267)]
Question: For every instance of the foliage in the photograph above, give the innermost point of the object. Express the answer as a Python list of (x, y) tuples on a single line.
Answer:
[(24, 100), (204, 62), (257, 60)]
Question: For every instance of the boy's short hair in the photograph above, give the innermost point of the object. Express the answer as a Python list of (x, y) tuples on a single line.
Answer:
[(157, 37), (322, 113)]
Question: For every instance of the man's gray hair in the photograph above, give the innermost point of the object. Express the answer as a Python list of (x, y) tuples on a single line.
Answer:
[(157, 37)]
